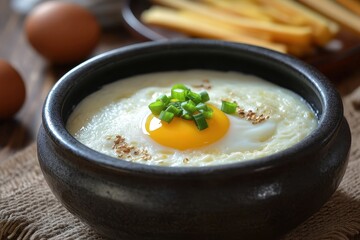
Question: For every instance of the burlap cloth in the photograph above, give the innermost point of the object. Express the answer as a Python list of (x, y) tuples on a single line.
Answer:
[(28, 209)]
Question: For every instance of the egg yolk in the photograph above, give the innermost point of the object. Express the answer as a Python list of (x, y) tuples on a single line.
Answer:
[(183, 134)]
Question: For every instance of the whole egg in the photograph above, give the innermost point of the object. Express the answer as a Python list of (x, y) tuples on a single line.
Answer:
[(62, 32)]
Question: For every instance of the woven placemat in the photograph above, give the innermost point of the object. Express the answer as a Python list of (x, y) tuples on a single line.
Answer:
[(28, 209)]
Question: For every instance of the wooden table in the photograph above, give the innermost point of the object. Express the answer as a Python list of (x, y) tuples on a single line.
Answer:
[(39, 76)]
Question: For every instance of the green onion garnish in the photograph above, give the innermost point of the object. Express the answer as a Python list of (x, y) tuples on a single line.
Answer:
[(174, 110), (204, 96), (156, 107), (180, 86), (183, 103), (195, 97), (228, 107), (188, 105), (163, 98), (186, 115), (179, 94), (166, 116), (207, 114), (202, 106), (200, 121)]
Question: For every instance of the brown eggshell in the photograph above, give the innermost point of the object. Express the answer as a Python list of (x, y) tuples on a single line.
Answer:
[(62, 32), (12, 90)]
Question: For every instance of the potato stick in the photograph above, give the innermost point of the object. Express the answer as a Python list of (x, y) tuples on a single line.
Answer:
[(164, 17), (324, 29), (267, 11), (246, 9), (197, 17), (283, 17), (352, 5), (279, 32), (336, 12)]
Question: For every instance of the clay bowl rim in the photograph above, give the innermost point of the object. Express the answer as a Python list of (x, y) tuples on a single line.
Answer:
[(328, 123)]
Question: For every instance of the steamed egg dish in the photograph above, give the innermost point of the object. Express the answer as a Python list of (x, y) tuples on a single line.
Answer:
[(238, 118)]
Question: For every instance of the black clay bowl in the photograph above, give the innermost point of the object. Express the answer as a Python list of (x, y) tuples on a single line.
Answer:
[(257, 199)]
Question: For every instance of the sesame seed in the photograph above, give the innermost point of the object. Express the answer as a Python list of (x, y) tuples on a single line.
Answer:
[(132, 153)]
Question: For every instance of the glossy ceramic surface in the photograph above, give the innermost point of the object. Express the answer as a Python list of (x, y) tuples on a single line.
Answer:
[(258, 199)]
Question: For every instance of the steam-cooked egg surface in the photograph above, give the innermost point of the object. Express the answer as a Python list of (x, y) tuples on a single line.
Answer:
[(116, 120)]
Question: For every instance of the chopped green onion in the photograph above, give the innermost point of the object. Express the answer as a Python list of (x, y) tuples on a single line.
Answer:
[(208, 114), (175, 104), (205, 109), (174, 101), (156, 107), (166, 116), (202, 106), (163, 98), (204, 96), (228, 107), (186, 115), (179, 94), (174, 110), (195, 97), (180, 86), (189, 106), (200, 121), (184, 103)]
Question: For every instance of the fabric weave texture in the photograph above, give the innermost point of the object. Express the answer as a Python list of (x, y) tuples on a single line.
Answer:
[(29, 210)]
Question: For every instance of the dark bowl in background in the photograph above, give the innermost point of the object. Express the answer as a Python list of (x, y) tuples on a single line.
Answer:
[(257, 199), (335, 60)]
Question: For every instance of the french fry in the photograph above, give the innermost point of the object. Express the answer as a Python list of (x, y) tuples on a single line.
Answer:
[(352, 5), (180, 21), (284, 17), (282, 25), (279, 32), (324, 29), (197, 17), (334, 11), (237, 7)]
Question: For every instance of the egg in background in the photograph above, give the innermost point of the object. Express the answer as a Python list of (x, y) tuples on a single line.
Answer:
[(62, 32), (12, 90)]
